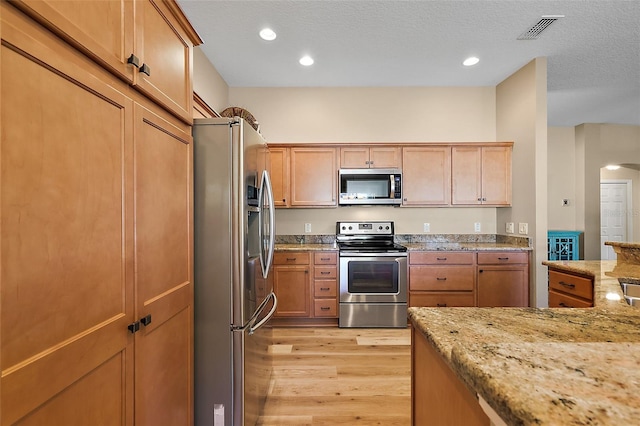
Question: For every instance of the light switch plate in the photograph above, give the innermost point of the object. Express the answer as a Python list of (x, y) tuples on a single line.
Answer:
[(523, 228), (510, 228), (426, 227), (477, 227), (307, 227)]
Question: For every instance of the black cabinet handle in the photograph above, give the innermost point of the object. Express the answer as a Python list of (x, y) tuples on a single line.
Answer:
[(324, 272), (441, 305), (146, 320), (134, 326), (145, 69), (441, 258), (291, 259), (441, 279), (568, 285), (133, 60), (324, 308), (324, 288), (503, 258)]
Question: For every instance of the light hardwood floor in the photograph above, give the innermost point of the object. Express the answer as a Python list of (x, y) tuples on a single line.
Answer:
[(338, 376)]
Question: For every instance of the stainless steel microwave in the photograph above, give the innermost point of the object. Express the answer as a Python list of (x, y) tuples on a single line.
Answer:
[(370, 186)]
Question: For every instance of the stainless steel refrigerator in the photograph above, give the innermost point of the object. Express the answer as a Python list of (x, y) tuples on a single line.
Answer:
[(234, 300)]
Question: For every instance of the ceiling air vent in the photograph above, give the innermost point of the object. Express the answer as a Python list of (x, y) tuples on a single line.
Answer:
[(534, 32)]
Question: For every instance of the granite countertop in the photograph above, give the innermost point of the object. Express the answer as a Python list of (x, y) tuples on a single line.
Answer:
[(305, 247), (463, 246), (546, 366)]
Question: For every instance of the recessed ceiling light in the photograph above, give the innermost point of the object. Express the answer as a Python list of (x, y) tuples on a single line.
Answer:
[(470, 61), (306, 60), (612, 167), (267, 34)]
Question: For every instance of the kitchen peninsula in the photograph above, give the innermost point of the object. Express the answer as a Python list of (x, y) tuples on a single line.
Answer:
[(530, 366)]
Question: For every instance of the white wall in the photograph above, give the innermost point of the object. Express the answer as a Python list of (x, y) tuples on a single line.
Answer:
[(207, 83), (415, 114), (561, 183), (521, 102)]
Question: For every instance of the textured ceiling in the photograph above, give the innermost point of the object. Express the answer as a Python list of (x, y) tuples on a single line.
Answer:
[(593, 52)]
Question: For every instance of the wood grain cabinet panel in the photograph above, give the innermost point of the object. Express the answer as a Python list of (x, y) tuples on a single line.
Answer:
[(481, 175), (569, 290), (314, 175), (363, 157), (279, 173), (141, 41), (66, 291), (503, 279), (426, 176)]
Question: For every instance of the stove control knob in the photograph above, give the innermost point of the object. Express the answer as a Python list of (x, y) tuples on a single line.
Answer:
[(380, 227), (387, 227), (350, 228)]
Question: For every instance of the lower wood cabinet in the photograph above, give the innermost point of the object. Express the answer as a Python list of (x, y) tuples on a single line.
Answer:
[(503, 279), (438, 396), (468, 278), (568, 290), (306, 284)]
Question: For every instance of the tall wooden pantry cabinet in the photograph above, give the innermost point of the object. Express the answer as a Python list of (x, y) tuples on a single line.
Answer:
[(96, 292)]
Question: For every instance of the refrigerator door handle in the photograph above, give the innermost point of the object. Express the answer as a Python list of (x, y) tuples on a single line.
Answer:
[(273, 296), (254, 316), (266, 190)]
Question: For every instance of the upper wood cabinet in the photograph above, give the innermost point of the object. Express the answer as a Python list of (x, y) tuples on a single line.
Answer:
[(481, 175), (426, 175), (363, 157), (279, 172), (148, 43), (314, 175)]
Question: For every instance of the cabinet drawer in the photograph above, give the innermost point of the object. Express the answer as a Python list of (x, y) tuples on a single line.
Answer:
[(441, 258), (290, 258), (441, 278), (571, 285), (325, 258), (325, 308), (559, 300), (502, 258), (465, 299), (328, 288), (325, 272)]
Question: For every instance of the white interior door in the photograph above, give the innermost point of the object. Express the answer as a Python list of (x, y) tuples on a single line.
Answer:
[(613, 216)]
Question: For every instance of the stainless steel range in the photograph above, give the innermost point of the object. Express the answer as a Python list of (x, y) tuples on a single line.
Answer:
[(373, 275)]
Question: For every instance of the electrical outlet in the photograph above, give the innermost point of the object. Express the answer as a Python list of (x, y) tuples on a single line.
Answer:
[(476, 226), (523, 228), (307, 227), (510, 228), (426, 227)]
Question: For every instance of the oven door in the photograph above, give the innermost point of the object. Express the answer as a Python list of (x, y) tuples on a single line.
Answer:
[(379, 278)]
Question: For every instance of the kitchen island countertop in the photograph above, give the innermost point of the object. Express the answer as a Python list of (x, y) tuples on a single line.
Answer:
[(546, 366)]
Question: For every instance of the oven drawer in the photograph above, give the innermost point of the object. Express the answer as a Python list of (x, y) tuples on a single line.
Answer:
[(325, 258), (441, 258), (290, 258), (325, 272), (325, 308), (328, 288), (465, 299), (441, 278)]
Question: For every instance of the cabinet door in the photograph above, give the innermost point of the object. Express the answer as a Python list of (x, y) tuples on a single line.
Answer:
[(280, 175), (426, 176), (163, 264), (354, 157), (165, 58), (503, 285), (496, 175), (385, 157), (66, 293), (102, 29), (466, 175), (314, 175), (291, 285)]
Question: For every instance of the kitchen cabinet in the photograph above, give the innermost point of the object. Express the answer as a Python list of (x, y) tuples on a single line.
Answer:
[(442, 278), (325, 284), (481, 175), (503, 279), (438, 397), (147, 43), (426, 176), (363, 157), (292, 284), (97, 236), (568, 290), (279, 173), (313, 177)]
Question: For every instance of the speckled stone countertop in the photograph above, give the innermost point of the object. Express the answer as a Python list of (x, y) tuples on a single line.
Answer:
[(467, 246), (305, 247), (547, 366)]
